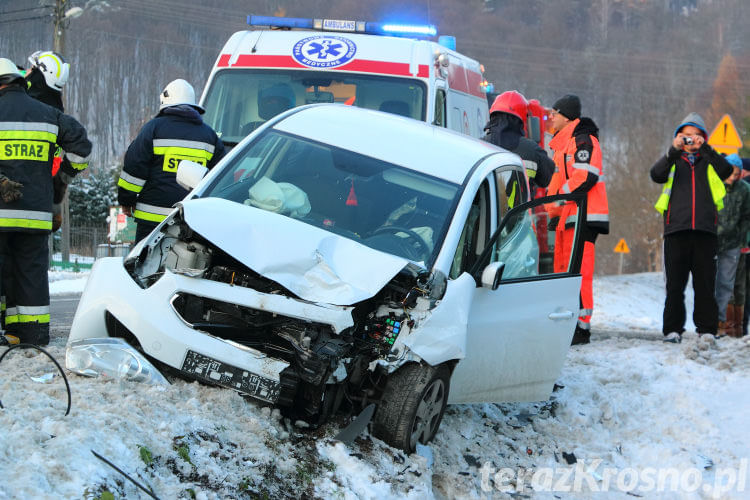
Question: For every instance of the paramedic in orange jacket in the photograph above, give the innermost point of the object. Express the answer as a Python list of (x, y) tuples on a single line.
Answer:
[(578, 161)]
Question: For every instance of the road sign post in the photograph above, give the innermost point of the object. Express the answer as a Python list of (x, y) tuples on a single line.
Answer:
[(622, 249)]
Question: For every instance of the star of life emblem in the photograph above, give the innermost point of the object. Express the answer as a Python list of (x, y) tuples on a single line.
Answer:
[(324, 51)]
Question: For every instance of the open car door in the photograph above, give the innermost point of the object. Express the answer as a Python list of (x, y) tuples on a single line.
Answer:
[(525, 307)]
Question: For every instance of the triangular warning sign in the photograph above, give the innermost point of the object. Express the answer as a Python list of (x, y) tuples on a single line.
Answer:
[(724, 137), (622, 247)]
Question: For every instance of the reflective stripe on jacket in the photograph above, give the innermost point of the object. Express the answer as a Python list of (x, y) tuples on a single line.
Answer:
[(29, 132)]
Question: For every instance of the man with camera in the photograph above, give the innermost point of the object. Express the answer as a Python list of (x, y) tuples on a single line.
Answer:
[(692, 174)]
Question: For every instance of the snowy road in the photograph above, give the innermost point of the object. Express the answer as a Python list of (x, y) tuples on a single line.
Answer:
[(636, 416)]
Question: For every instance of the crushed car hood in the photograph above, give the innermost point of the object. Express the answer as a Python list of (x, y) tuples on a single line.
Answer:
[(312, 263)]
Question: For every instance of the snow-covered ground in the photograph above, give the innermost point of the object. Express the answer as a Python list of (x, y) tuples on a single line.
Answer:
[(631, 417)]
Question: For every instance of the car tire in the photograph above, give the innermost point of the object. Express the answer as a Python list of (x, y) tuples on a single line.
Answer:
[(412, 405)]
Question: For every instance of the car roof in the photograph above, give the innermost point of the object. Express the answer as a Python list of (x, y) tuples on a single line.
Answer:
[(402, 141)]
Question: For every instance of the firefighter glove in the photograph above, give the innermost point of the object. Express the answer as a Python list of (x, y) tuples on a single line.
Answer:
[(10, 190)]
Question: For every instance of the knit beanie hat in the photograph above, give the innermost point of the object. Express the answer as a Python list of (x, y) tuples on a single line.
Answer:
[(734, 160), (696, 121), (569, 106)]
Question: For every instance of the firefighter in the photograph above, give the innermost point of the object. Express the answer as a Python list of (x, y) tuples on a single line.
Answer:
[(578, 160), (30, 129), (47, 74), (506, 129), (147, 188)]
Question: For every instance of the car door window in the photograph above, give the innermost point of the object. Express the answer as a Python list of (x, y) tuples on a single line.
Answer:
[(512, 188), (475, 234), (536, 239)]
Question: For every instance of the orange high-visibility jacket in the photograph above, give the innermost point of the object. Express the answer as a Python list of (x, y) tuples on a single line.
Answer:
[(578, 162)]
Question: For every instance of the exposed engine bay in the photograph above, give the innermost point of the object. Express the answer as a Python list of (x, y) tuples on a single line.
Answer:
[(331, 367)]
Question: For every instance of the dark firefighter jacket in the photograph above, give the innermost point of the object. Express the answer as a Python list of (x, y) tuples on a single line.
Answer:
[(29, 131), (691, 205), (506, 131), (148, 180)]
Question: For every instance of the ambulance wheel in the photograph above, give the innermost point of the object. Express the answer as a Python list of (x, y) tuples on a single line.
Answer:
[(412, 406)]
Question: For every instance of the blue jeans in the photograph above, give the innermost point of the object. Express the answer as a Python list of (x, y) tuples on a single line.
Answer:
[(726, 270)]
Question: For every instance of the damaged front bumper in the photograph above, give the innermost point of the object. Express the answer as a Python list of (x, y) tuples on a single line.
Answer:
[(163, 334)]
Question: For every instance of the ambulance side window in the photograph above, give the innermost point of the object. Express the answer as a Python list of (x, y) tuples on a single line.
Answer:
[(440, 108)]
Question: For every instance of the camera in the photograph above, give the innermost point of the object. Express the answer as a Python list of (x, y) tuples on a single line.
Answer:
[(687, 140)]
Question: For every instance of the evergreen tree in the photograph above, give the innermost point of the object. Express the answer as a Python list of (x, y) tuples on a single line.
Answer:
[(91, 196)]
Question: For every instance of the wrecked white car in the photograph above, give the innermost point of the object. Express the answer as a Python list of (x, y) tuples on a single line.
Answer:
[(339, 257)]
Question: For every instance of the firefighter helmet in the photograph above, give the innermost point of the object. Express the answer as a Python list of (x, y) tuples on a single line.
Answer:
[(178, 92), (52, 66), (9, 72), (511, 102)]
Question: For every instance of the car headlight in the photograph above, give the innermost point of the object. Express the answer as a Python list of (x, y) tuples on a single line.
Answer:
[(110, 358)]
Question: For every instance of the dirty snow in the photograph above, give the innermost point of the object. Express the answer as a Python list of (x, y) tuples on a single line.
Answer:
[(637, 417)]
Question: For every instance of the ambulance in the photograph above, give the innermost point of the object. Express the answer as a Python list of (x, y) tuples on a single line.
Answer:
[(262, 72)]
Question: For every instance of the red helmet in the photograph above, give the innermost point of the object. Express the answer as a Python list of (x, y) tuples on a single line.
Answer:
[(511, 102)]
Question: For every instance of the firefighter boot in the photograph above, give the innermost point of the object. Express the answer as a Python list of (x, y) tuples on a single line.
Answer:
[(33, 333)]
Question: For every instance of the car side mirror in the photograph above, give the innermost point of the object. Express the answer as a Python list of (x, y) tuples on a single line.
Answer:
[(189, 174), (492, 275)]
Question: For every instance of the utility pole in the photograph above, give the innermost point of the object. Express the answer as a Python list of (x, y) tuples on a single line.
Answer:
[(60, 22)]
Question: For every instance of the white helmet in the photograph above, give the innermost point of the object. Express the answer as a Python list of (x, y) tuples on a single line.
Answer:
[(53, 67), (8, 71), (178, 92)]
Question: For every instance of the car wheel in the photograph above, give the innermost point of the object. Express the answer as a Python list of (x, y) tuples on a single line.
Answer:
[(412, 406)]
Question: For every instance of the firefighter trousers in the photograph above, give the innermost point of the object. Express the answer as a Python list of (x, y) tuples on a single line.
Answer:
[(26, 283), (564, 240)]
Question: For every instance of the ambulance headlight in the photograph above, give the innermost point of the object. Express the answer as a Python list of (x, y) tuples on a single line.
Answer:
[(111, 358)]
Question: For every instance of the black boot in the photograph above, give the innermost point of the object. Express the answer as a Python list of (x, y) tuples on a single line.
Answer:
[(581, 336)]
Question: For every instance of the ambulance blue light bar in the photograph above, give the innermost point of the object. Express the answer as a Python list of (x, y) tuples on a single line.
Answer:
[(341, 25)]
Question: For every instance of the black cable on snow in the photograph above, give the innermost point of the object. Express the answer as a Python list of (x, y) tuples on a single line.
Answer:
[(59, 368), (148, 492)]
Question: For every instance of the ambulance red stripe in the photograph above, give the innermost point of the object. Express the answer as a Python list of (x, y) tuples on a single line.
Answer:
[(358, 65)]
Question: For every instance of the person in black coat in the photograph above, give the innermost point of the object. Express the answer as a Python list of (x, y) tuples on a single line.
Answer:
[(692, 174)]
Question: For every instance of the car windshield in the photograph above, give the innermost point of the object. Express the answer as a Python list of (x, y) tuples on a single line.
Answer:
[(381, 205), (239, 101)]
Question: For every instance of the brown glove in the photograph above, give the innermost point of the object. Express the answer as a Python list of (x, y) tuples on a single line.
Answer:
[(58, 189), (56, 222), (9, 190)]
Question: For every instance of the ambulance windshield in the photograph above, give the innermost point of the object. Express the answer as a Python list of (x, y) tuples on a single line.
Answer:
[(239, 101)]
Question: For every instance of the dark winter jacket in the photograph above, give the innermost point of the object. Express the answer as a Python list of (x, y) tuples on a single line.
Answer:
[(38, 89), (506, 131), (691, 206), (29, 131), (149, 177), (734, 218)]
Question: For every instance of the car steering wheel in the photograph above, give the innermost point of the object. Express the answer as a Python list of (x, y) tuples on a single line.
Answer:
[(424, 247)]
